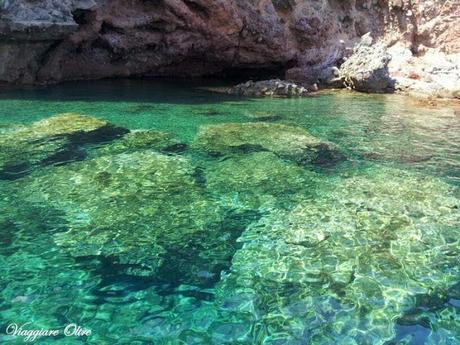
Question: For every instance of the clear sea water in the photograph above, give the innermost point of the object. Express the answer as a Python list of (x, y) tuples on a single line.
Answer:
[(362, 251)]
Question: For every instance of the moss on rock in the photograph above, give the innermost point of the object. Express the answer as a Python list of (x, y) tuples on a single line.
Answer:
[(285, 141)]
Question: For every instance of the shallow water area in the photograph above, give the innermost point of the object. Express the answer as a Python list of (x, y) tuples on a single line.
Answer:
[(186, 231)]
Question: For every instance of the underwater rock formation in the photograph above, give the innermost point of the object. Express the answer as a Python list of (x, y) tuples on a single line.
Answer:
[(136, 210), (349, 262), (257, 180), (287, 142), (274, 87), (346, 265), (137, 140), (52, 140)]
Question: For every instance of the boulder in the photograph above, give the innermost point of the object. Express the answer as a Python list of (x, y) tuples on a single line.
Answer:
[(287, 142), (330, 77), (273, 87), (367, 68), (51, 140)]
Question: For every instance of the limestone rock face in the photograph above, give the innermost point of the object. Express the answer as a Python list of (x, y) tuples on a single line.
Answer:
[(423, 25), (29, 32), (433, 74), (367, 69), (423, 38), (76, 40), (40, 20), (50, 41)]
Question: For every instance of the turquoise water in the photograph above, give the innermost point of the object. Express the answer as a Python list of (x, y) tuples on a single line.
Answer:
[(204, 236)]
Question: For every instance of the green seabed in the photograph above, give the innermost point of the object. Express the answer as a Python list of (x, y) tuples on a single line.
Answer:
[(179, 216)]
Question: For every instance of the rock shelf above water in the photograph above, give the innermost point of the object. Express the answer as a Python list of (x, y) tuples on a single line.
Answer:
[(273, 87)]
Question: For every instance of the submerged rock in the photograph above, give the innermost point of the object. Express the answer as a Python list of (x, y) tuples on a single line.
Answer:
[(273, 87), (287, 142), (141, 211), (258, 179), (367, 69), (142, 140), (51, 140), (263, 116), (357, 255)]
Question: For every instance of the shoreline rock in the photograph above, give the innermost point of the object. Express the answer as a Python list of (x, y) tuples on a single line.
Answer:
[(367, 68), (433, 74), (45, 42), (268, 88)]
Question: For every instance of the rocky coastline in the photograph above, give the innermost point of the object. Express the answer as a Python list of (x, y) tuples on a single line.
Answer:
[(371, 46)]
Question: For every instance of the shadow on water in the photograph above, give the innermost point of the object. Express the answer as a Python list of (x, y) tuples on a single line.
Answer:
[(177, 91)]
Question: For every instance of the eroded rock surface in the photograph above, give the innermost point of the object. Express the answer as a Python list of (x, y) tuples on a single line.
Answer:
[(432, 74), (273, 87), (51, 41), (367, 69)]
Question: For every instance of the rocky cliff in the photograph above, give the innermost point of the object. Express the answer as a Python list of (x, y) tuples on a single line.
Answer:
[(55, 40)]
